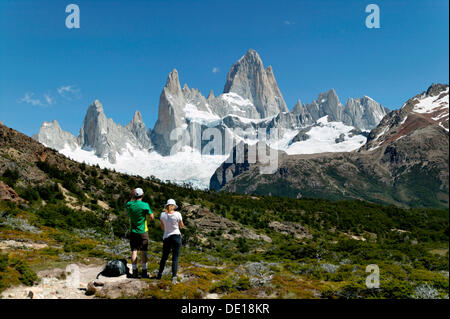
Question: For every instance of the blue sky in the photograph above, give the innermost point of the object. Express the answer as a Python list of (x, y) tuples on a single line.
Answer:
[(124, 50)]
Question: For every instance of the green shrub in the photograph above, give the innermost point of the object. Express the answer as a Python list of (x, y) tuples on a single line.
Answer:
[(396, 289), (242, 284), (27, 276), (10, 177), (3, 262), (223, 286), (76, 248)]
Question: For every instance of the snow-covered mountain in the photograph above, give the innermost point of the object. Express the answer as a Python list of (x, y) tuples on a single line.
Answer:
[(404, 162), (187, 122), (428, 109)]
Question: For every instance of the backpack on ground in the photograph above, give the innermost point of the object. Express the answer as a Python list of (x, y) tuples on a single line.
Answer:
[(115, 268)]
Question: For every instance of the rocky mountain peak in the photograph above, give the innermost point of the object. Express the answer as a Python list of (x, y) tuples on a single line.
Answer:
[(327, 103), (436, 89), (426, 112), (333, 97), (173, 83), (248, 78), (137, 118), (51, 135), (298, 107)]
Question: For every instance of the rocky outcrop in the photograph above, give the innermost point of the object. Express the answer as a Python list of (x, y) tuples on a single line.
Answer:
[(205, 222), (8, 194), (290, 229), (125, 288)]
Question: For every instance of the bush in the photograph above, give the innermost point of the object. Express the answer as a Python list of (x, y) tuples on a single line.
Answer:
[(396, 289), (242, 284), (29, 194), (223, 286), (76, 248), (10, 177), (27, 276), (3, 262)]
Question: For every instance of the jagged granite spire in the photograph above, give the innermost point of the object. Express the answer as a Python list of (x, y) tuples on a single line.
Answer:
[(298, 108), (364, 113), (138, 129), (248, 78), (107, 138), (170, 113), (51, 135)]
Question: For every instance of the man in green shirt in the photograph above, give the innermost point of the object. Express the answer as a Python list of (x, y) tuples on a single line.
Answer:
[(139, 211)]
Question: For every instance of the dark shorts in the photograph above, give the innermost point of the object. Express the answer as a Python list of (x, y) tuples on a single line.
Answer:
[(139, 241)]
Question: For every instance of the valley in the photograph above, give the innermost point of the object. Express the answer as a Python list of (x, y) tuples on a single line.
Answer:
[(235, 245)]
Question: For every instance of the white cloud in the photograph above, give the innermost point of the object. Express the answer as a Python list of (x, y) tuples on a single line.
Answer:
[(287, 22), (69, 92), (215, 70), (28, 98), (49, 99)]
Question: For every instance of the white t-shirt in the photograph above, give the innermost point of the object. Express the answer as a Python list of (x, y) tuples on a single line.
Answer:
[(171, 223)]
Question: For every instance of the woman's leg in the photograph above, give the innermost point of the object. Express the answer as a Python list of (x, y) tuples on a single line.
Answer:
[(165, 255), (176, 247)]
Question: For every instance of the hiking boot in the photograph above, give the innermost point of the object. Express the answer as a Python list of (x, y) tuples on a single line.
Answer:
[(144, 274), (174, 280)]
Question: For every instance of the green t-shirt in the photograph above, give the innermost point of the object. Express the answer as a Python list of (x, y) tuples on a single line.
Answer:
[(138, 211)]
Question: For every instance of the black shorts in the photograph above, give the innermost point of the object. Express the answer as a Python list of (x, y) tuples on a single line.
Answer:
[(139, 241)]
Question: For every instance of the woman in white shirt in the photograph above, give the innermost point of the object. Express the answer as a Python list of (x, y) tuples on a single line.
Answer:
[(171, 223)]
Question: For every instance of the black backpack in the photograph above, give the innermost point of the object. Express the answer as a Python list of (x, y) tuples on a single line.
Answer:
[(115, 268)]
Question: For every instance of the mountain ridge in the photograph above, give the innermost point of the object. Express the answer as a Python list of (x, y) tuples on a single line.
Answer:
[(404, 162), (251, 101)]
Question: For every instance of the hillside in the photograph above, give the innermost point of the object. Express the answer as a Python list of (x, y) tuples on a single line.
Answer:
[(54, 212), (404, 162)]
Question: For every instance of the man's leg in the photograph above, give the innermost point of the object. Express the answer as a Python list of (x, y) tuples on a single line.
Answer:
[(165, 255), (144, 247), (134, 254), (144, 264)]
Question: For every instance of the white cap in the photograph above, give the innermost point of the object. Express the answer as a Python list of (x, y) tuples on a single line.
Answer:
[(171, 202), (138, 192)]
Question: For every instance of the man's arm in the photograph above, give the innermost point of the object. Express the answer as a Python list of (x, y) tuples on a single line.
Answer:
[(150, 213)]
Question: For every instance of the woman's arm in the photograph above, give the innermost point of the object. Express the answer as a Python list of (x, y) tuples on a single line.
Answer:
[(180, 224)]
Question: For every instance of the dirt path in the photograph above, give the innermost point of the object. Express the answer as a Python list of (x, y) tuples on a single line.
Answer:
[(65, 283)]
